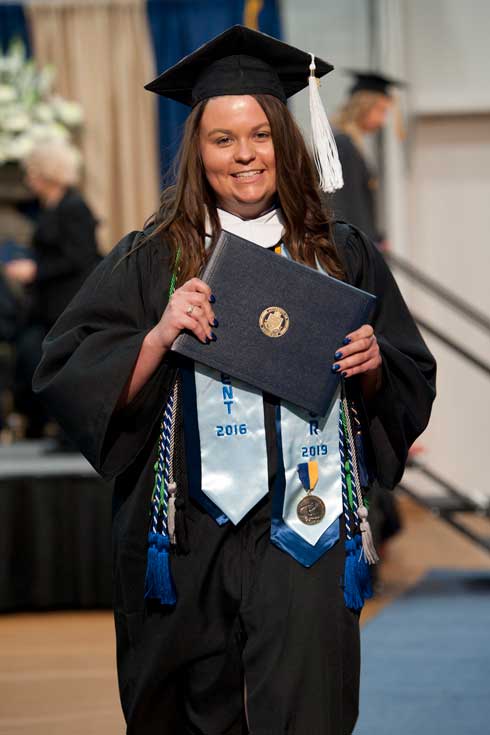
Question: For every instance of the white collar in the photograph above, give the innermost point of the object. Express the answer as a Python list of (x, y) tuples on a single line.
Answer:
[(265, 230)]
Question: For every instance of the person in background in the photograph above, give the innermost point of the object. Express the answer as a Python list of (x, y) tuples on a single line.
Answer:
[(364, 113), (64, 251)]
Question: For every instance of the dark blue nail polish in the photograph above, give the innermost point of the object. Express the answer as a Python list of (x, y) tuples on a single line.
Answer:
[(215, 323), (213, 337), (338, 355), (212, 298), (346, 341), (207, 340), (335, 368), (344, 373)]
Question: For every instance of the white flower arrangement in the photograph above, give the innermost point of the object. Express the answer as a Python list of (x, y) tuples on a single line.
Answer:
[(29, 110)]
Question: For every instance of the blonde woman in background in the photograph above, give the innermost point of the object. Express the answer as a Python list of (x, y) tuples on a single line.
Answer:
[(64, 251), (364, 113)]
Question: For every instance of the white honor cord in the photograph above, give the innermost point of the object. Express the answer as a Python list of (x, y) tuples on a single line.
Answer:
[(366, 533)]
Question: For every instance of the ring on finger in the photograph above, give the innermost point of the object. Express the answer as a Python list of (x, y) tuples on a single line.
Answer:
[(189, 309)]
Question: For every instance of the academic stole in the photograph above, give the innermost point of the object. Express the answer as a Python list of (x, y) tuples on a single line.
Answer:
[(229, 429)]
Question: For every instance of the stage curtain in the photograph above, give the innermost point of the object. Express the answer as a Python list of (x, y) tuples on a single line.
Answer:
[(13, 25), (55, 542), (179, 27), (102, 53)]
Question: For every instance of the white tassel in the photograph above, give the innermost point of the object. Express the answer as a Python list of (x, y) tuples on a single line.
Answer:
[(367, 536), (324, 146)]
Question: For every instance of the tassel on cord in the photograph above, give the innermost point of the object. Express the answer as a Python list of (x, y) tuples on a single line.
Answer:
[(159, 584), (367, 536), (353, 579), (353, 596), (368, 547), (324, 146)]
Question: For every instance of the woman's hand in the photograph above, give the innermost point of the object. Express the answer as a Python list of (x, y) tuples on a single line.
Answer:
[(188, 308), (360, 355), (22, 270)]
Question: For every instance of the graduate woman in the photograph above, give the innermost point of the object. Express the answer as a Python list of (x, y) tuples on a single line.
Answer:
[(267, 603)]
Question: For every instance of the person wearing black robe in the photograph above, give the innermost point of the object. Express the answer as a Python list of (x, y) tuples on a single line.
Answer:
[(247, 614), (363, 114), (355, 202)]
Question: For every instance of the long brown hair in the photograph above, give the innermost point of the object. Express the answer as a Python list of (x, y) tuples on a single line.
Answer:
[(181, 218)]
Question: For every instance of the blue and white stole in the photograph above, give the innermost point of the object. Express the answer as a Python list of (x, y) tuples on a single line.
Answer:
[(233, 454)]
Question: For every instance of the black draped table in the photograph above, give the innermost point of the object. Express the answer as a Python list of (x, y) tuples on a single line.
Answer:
[(55, 530)]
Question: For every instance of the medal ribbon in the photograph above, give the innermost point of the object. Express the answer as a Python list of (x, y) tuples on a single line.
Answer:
[(304, 438)]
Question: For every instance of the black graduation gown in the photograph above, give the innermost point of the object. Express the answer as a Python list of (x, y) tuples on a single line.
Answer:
[(355, 202), (243, 605)]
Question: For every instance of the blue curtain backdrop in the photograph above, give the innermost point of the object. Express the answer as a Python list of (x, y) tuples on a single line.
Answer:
[(13, 25), (180, 26)]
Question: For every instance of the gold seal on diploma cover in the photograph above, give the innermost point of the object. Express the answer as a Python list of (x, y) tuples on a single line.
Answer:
[(310, 510), (274, 321)]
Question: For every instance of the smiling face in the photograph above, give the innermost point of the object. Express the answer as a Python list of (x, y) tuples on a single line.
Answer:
[(238, 154)]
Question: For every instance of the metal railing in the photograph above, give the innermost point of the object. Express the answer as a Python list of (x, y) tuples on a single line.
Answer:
[(444, 294), (455, 500)]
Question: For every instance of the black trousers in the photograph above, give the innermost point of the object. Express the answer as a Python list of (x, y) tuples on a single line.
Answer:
[(247, 614)]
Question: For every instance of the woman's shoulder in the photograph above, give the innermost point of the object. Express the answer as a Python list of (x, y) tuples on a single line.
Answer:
[(140, 254), (349, 236), (357, 252), (139, 246)]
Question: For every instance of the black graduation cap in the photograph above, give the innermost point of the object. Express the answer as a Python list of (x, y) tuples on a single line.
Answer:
[(371, 81), (238, 61)]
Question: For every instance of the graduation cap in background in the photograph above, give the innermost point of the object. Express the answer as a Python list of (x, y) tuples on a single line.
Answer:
[(243, 61), (371, 81)]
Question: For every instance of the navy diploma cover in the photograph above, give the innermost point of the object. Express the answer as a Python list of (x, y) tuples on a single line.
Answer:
[(280, 322)]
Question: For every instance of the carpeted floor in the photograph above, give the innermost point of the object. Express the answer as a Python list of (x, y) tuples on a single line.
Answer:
[(426, 659)]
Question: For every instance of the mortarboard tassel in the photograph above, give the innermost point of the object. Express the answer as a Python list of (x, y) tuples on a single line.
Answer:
[(324, 146)]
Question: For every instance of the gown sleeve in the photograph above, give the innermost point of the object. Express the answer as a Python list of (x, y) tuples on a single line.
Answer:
[(90, 352), (400, 410)]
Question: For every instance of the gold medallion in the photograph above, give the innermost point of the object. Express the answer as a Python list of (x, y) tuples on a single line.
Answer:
[(310, 510), (274, 321)]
